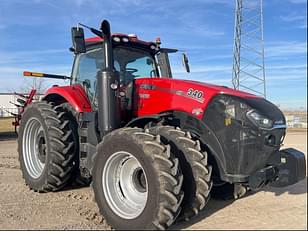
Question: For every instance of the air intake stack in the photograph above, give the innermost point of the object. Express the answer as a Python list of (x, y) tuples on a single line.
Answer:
[(107, 87)]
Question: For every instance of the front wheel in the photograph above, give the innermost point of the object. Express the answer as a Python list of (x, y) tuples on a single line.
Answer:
[(196, 170), (136, 181)]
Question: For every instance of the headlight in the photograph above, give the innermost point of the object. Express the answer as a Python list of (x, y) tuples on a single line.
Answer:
[(259, 120)]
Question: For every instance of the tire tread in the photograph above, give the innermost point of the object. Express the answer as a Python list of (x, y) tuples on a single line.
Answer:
[(61, 146), (197, 159)]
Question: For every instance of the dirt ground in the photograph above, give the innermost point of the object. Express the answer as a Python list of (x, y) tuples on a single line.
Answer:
[(20, 208)]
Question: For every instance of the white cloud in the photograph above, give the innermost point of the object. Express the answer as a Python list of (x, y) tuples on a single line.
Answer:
[(298, 1), (27, 56), (288, 66), (296, 20), (13, 71), (11, 77), (293, 17), (285, 48)]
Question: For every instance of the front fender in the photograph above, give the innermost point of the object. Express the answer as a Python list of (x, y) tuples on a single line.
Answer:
[(74, 95), (189, 123)]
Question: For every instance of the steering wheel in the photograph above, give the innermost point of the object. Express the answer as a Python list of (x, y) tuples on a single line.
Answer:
[(131, 70)]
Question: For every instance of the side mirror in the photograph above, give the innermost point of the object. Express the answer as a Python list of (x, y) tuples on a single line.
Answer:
[(185, 62), (79, 44), (87, 83), (149, 61)]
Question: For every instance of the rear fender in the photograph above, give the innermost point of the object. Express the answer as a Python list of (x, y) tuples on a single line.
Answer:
[(74, 95)]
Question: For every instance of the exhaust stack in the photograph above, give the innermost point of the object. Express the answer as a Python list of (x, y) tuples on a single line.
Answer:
[(107, 87)]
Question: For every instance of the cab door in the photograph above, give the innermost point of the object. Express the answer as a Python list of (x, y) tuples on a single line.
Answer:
[(85, 70)]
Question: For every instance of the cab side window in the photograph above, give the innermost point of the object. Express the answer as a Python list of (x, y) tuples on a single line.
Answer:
[(87, 65)]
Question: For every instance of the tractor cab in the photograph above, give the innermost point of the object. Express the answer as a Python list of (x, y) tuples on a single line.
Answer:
[(132, 59)]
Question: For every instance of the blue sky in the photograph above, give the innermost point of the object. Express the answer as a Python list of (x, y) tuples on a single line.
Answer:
[(35, 35)]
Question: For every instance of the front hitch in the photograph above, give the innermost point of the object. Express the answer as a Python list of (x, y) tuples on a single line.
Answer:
[(285, 167)]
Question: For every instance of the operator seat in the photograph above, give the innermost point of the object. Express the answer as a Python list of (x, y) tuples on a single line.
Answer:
[(129, 83)]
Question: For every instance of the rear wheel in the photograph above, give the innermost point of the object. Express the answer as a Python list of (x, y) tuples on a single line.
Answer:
[(136, 180), (78, 180), (197, 173), (46, 147)]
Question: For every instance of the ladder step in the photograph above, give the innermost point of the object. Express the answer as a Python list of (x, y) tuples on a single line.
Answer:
[(83, 132), (83, 147)]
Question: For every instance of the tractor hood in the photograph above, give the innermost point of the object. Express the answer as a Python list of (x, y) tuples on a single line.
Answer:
[(255, 103), (220, 89), (163, 94)]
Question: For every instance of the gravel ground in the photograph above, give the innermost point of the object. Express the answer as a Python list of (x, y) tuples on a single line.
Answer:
[(20, 208)]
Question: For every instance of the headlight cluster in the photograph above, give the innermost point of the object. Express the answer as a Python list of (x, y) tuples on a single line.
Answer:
[(259, 120), (118, 39)]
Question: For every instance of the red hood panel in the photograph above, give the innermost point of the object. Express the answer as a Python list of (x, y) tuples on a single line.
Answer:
[(221, 89), (157, 95)]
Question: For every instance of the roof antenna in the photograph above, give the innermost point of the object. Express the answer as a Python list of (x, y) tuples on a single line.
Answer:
[(93, 30)]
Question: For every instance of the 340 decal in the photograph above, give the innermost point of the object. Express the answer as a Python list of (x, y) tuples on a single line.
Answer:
[(196, 94)]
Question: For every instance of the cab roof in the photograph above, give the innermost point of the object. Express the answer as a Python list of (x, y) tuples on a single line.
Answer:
[(126, 40), (130, 37)]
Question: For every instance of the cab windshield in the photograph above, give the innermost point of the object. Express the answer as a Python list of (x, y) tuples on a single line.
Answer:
[(131, 63)]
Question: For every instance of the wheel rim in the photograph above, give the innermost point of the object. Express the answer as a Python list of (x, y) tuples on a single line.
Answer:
[(125, 185), (34, 147)]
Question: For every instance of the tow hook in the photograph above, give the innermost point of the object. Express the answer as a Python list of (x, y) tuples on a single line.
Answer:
[(262, 177), (239, 190)]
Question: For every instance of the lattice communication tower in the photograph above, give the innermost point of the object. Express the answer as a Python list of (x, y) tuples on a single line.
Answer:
[(248, 51)]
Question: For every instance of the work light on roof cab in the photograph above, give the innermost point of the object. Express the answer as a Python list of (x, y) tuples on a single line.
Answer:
[(116, 39)]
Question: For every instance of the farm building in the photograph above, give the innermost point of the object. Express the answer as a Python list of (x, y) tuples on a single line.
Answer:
[(7, 101), (5, 106)]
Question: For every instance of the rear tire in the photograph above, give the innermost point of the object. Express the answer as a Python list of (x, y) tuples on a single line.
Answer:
[(77, 179), (159, 196), (197, 173), (46, 147)]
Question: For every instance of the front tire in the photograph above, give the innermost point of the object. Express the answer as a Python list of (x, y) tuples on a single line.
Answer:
[(136, 180), (46, 147), (196, 170)]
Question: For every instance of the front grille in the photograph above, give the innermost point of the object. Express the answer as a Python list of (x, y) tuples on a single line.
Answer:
[(245, 146)]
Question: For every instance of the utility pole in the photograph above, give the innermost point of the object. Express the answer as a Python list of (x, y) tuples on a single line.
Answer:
[(248, 72)]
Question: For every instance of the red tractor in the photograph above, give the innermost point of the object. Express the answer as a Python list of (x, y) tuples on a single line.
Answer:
[(154, 147)]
